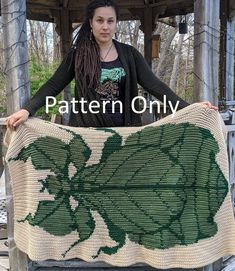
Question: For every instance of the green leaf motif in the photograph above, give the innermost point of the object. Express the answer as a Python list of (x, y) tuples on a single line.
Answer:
[(84, 223), (79, 152), (44, 153), (52, 184), (160, 189), (112, 144), (49, 215)]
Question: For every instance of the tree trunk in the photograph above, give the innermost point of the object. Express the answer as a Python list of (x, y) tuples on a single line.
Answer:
[(167, 45), (17, 85), (56, 45), (134, 32), (176, 63), (33, 40)]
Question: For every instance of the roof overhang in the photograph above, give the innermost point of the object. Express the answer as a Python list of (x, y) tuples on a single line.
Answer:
[(46, 10)]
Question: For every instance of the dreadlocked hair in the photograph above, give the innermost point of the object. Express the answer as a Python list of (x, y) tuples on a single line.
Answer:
[(87, 56)]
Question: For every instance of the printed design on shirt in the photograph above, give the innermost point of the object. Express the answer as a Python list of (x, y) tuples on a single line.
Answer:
[(109, 83), (114, 75)]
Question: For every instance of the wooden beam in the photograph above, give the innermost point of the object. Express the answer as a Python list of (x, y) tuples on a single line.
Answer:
[(230, 95), (40, 17), (65, 3), (226, 75), (223, 48), (44, 6), (173, 12), (76, 8), (169, 2), (148, 31), (206, 50), (76, 16), (138, 13), (231, 9), (121, 4), (66, 31), (132, 14), (65, 44), (148, 18)]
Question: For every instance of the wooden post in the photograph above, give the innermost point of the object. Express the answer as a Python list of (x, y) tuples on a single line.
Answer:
[(206, 62), (15, 53), (65, 43), (230, 60), (148, 17), (206, 50), (148, 25), (226, 74), (148, 31), (231, 9), (64, 30), (17, 86), (223, 48)]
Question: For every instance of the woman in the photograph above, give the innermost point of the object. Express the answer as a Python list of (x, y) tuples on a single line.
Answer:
[(104, 70)]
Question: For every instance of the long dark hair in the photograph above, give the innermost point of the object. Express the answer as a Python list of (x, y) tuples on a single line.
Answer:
[(87, 56)]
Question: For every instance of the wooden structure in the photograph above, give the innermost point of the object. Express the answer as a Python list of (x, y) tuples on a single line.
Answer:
[(227, 17), (16, 53), (66, 12), (214, 48), (206, 50)]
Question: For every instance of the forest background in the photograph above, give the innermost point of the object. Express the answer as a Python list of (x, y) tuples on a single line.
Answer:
[(174, 65)]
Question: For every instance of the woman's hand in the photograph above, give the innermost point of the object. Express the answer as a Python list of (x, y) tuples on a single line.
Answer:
[(17, 118), (208, 104)]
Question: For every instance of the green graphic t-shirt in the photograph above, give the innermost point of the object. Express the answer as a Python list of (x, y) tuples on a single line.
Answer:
[(112, 83)]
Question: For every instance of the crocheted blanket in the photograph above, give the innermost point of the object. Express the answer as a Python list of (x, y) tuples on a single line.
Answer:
[(156, 194)]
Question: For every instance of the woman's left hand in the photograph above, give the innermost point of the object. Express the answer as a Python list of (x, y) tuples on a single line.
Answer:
[(211, 106)]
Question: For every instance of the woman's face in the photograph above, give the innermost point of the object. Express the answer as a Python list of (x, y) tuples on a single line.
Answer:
[(103, 24)]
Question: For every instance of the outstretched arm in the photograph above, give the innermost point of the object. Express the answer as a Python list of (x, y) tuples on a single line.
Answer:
[(150, 82), (60, 79)]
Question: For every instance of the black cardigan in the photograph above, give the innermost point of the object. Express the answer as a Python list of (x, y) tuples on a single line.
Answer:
[(137, 71)]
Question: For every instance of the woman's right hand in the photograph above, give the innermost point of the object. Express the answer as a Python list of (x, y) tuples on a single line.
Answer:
[(17, 118)]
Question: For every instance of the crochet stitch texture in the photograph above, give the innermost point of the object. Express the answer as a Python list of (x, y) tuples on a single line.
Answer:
[(157, 194)]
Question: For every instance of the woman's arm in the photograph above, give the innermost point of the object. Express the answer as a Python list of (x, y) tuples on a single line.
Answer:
[(152, 83), (61, 78)]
